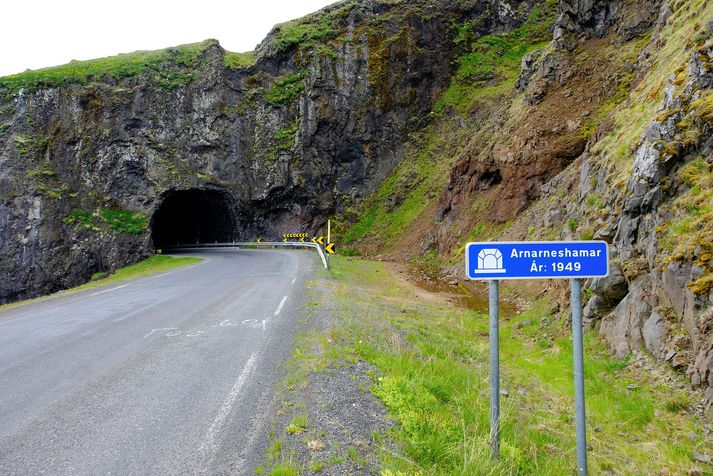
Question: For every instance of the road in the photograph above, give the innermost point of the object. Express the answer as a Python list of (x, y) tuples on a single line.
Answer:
[(170, 374)]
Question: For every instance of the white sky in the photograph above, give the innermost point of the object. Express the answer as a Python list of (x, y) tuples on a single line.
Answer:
[(40, 33)]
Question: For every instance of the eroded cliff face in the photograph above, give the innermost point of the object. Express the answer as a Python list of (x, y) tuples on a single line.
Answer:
[(631, 84), (315, 120), (421, 125)]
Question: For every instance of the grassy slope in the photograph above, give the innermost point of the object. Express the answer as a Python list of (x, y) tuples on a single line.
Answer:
[(153, 265), (161, 64), (433, 362), (486, 73)]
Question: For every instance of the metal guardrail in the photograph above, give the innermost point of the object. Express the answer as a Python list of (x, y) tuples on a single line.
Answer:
[(273, 244)]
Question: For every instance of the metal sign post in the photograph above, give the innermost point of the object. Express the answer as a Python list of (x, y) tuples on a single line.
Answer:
[(494, 333), (578, 351), (575, 260)]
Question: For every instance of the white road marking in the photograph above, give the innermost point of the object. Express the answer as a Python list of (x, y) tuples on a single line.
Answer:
[(108, 290), (208, 445), (293, 280), (225, 323), (163, 274), (279, 308), (161, 329)]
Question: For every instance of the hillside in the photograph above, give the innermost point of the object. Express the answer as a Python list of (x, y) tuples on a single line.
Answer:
[(603, 132), (417, 126)]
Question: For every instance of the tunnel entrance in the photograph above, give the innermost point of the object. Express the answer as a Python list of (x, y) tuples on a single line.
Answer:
[(193, 216)]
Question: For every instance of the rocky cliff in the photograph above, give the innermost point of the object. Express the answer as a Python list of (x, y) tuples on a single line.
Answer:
[(602, 133), (278, 140), (417, 125)]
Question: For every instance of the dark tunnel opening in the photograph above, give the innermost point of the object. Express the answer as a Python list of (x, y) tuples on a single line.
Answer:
[(193, 216)]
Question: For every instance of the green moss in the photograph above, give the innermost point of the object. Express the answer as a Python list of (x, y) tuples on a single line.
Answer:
[(328, 51), (4, 128), (121, 221), (285, 138), (305, 32), (29, 147), (157, 63), (286, 89), (239, 60), (124, 221), (45, 171), (690, 232), (492, 64)]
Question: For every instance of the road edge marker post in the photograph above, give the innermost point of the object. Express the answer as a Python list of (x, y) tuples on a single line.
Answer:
[(494, 334), (329, 238)]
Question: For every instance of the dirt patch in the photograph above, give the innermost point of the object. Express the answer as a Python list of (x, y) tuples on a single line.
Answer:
[(452, 292)]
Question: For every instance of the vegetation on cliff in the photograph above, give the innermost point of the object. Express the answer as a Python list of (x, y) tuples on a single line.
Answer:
[(169, 68)]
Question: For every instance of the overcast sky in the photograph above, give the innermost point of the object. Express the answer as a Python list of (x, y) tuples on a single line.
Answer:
[(40, 33)]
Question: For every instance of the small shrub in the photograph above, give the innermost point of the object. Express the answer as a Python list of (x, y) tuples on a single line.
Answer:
[(298, 425), (677, 403), (286, 89)]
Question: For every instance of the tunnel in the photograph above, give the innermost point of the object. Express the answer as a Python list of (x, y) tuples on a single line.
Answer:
[(194, 216)]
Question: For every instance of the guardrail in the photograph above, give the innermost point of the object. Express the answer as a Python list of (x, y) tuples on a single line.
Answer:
[(273, 244)]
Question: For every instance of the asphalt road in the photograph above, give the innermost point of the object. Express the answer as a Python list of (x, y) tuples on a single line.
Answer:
[(170, 374)]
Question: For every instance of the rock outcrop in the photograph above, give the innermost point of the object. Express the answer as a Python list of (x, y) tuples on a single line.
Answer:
[(313, 122), (645, 187)]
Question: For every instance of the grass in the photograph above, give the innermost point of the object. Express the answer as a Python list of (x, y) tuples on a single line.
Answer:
[(305, 32), (239, 60), (286, 89), (492, 64), (152, 265), (433, 374), (689, 235), (121, 221), (298, 425), (412, 187), (161, 64)]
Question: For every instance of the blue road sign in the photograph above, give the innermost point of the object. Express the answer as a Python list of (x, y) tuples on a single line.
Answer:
[(536, 259)]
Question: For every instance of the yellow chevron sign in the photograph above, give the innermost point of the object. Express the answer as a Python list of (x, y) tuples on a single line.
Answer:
[(318, 239), (295, 235), (330, 248)]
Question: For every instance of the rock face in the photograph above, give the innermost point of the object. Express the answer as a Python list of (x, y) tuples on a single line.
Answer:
[(313, 122), (644, 187), (605, 134)]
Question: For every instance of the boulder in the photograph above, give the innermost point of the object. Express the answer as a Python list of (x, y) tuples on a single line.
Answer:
[(622, 329), (612, 287), (654, 331)]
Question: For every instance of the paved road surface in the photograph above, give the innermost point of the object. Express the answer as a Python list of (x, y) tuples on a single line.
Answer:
[(170, 374)]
